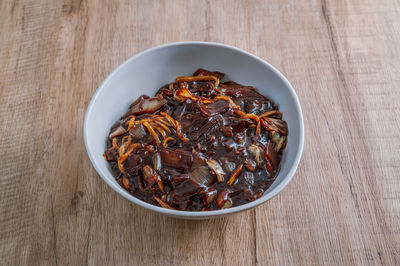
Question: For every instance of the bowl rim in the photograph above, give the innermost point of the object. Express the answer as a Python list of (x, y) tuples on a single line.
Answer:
[(187, 214)]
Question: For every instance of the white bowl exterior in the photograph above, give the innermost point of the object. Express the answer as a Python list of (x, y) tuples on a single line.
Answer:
[(149, 70)]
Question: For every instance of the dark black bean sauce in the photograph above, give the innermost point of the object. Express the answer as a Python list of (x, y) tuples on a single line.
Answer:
[(199, 144)]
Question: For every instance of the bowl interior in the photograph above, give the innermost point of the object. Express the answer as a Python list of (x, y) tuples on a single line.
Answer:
[(149, 70)]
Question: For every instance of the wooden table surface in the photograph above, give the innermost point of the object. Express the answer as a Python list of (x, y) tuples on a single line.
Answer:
[(343, 205)]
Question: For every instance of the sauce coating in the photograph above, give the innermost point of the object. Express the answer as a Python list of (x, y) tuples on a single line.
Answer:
[(199, 144)]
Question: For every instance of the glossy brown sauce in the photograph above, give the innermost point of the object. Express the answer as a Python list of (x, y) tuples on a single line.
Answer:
[(199, 144)]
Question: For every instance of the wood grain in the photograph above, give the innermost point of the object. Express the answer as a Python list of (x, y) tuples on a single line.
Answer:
[(342, 207)]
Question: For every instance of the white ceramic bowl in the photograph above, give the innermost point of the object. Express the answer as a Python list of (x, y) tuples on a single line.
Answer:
[(145, 72)]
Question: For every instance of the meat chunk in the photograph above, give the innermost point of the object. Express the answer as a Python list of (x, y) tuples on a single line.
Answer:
[(207, 127), (110, 154), (131, 163), (250, 100), (218, 107)]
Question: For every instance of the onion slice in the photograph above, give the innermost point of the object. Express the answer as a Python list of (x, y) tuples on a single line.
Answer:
[(216, 167)]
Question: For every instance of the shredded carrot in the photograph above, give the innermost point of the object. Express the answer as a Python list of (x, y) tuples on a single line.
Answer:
[(162, 203), (149, 148), (159, 129), (179, 132), (124, 156), (235, 174), (125, 142), (115, 144), (236, 108), (130, 125), (128, 119), (177, 126), (272, 112), (205, 100), (198, 78), (165, 141), (252, 116), (162, 125), (267, 126), (145, 120), (217, 90), (225, 98), (131, 148), (184, 94), (161, 185), (258, 129), (152, 132), (164, 121), (126, 138), (169, 118), (125, 182)]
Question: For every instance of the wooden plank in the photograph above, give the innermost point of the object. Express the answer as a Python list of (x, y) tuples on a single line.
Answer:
[(343, 206), (336, 210)]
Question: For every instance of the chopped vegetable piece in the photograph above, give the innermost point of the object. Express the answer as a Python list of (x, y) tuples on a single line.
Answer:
[(209, 195), (223, 199), (178, 159), (148, 106), (152, 177), (257, 152), (235, 174), (110, 154), (125, 182), (117, 132), (202, 175), (216, 167), (198, 78), (162, 203), (200, 144)]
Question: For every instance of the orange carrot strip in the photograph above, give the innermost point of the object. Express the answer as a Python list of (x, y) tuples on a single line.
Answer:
[(152, 132), (177, 126), (130, 125), (169, 118), (162, 203), (164, 121), (252, 116), (272, 112), (115, 144), (162, 125), (198, 78), (125, 142), (235, 174), (179, 132), (125, 155), (184, 94), (149, 148), (159, 129), (165, 141), (125, 182), (258, 129)]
